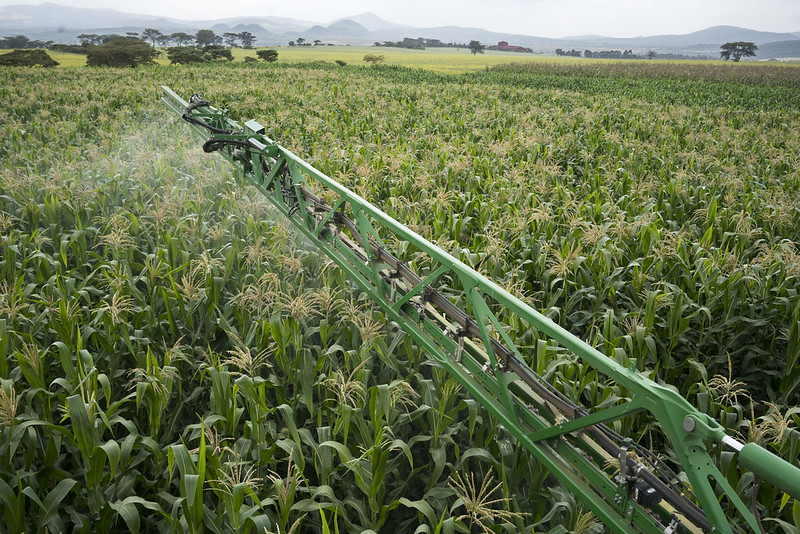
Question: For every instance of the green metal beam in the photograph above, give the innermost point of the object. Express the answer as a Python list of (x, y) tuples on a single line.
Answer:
[(485, 376), (598, 417)]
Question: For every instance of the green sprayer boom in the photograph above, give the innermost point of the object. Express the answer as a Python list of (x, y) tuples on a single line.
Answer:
[(627, 486)]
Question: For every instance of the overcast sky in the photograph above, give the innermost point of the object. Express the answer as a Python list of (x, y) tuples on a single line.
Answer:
[(546, 18)]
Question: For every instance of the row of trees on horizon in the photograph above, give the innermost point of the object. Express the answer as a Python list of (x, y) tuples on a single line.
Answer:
[(206, 38), (729, 51), (153, 36)]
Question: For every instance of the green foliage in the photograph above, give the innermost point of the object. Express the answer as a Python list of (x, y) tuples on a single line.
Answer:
[(68, 49), (23, 42), (27, 58), (230, 39), (247, 39), (736, 51), (217, 52), (88, 39), (373, 59), (191, 358), (268, 55), (207, 38), (152, 35), (476, 47), (182, 38), (121, 53), (185, 54), (173, 357)]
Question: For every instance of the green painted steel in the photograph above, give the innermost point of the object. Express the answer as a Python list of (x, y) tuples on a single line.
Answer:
[(759, 460), (351, 231)]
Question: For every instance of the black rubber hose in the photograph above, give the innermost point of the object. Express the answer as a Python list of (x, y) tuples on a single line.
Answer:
[(213, 144), (197, 102)]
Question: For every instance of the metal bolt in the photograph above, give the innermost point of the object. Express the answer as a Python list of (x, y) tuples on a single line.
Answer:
[(689, 424)]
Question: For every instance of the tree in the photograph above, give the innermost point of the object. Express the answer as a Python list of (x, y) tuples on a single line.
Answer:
[(87, 39), (182, 38), (122, 53), (737, 50), (247, 39), (18, 41), (67, 49), (185, 54), (268, 55), (132, 35), (317, 42), (207, 38), (152, 35), (587, 53), (291, 43), (164, 40), (27, 58), (21, 41), (213, 52), (651, 54), (230, 38), (373, 59), (476, 47), (107, 38), (300, 41)]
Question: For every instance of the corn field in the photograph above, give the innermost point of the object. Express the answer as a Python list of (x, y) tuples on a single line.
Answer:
[(173, 357)]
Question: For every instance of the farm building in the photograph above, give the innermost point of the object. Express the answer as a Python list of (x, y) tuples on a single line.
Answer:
[(505, 47)]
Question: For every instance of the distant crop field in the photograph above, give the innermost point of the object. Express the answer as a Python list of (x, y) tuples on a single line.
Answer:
[(68, 60), (454, 61), (174, 357), (446, 60)]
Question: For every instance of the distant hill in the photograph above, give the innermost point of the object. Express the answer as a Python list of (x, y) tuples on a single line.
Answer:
[(780, 50), (50, 21), (716, 35), (374, 23), (344, 29), (732, 33), (50, 16), (258, 30), (275, 25)]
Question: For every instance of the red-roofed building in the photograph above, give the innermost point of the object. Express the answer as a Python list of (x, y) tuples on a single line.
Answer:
[(505, 47)]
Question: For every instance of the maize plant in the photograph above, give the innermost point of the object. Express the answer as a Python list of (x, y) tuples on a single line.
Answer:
[(174, 357)]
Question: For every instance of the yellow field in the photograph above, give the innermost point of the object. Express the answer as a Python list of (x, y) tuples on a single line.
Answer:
[(450, 60), (68, 60), (445, 60)]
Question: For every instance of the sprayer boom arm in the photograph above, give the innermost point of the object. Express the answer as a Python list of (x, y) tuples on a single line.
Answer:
[(473, 346)]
